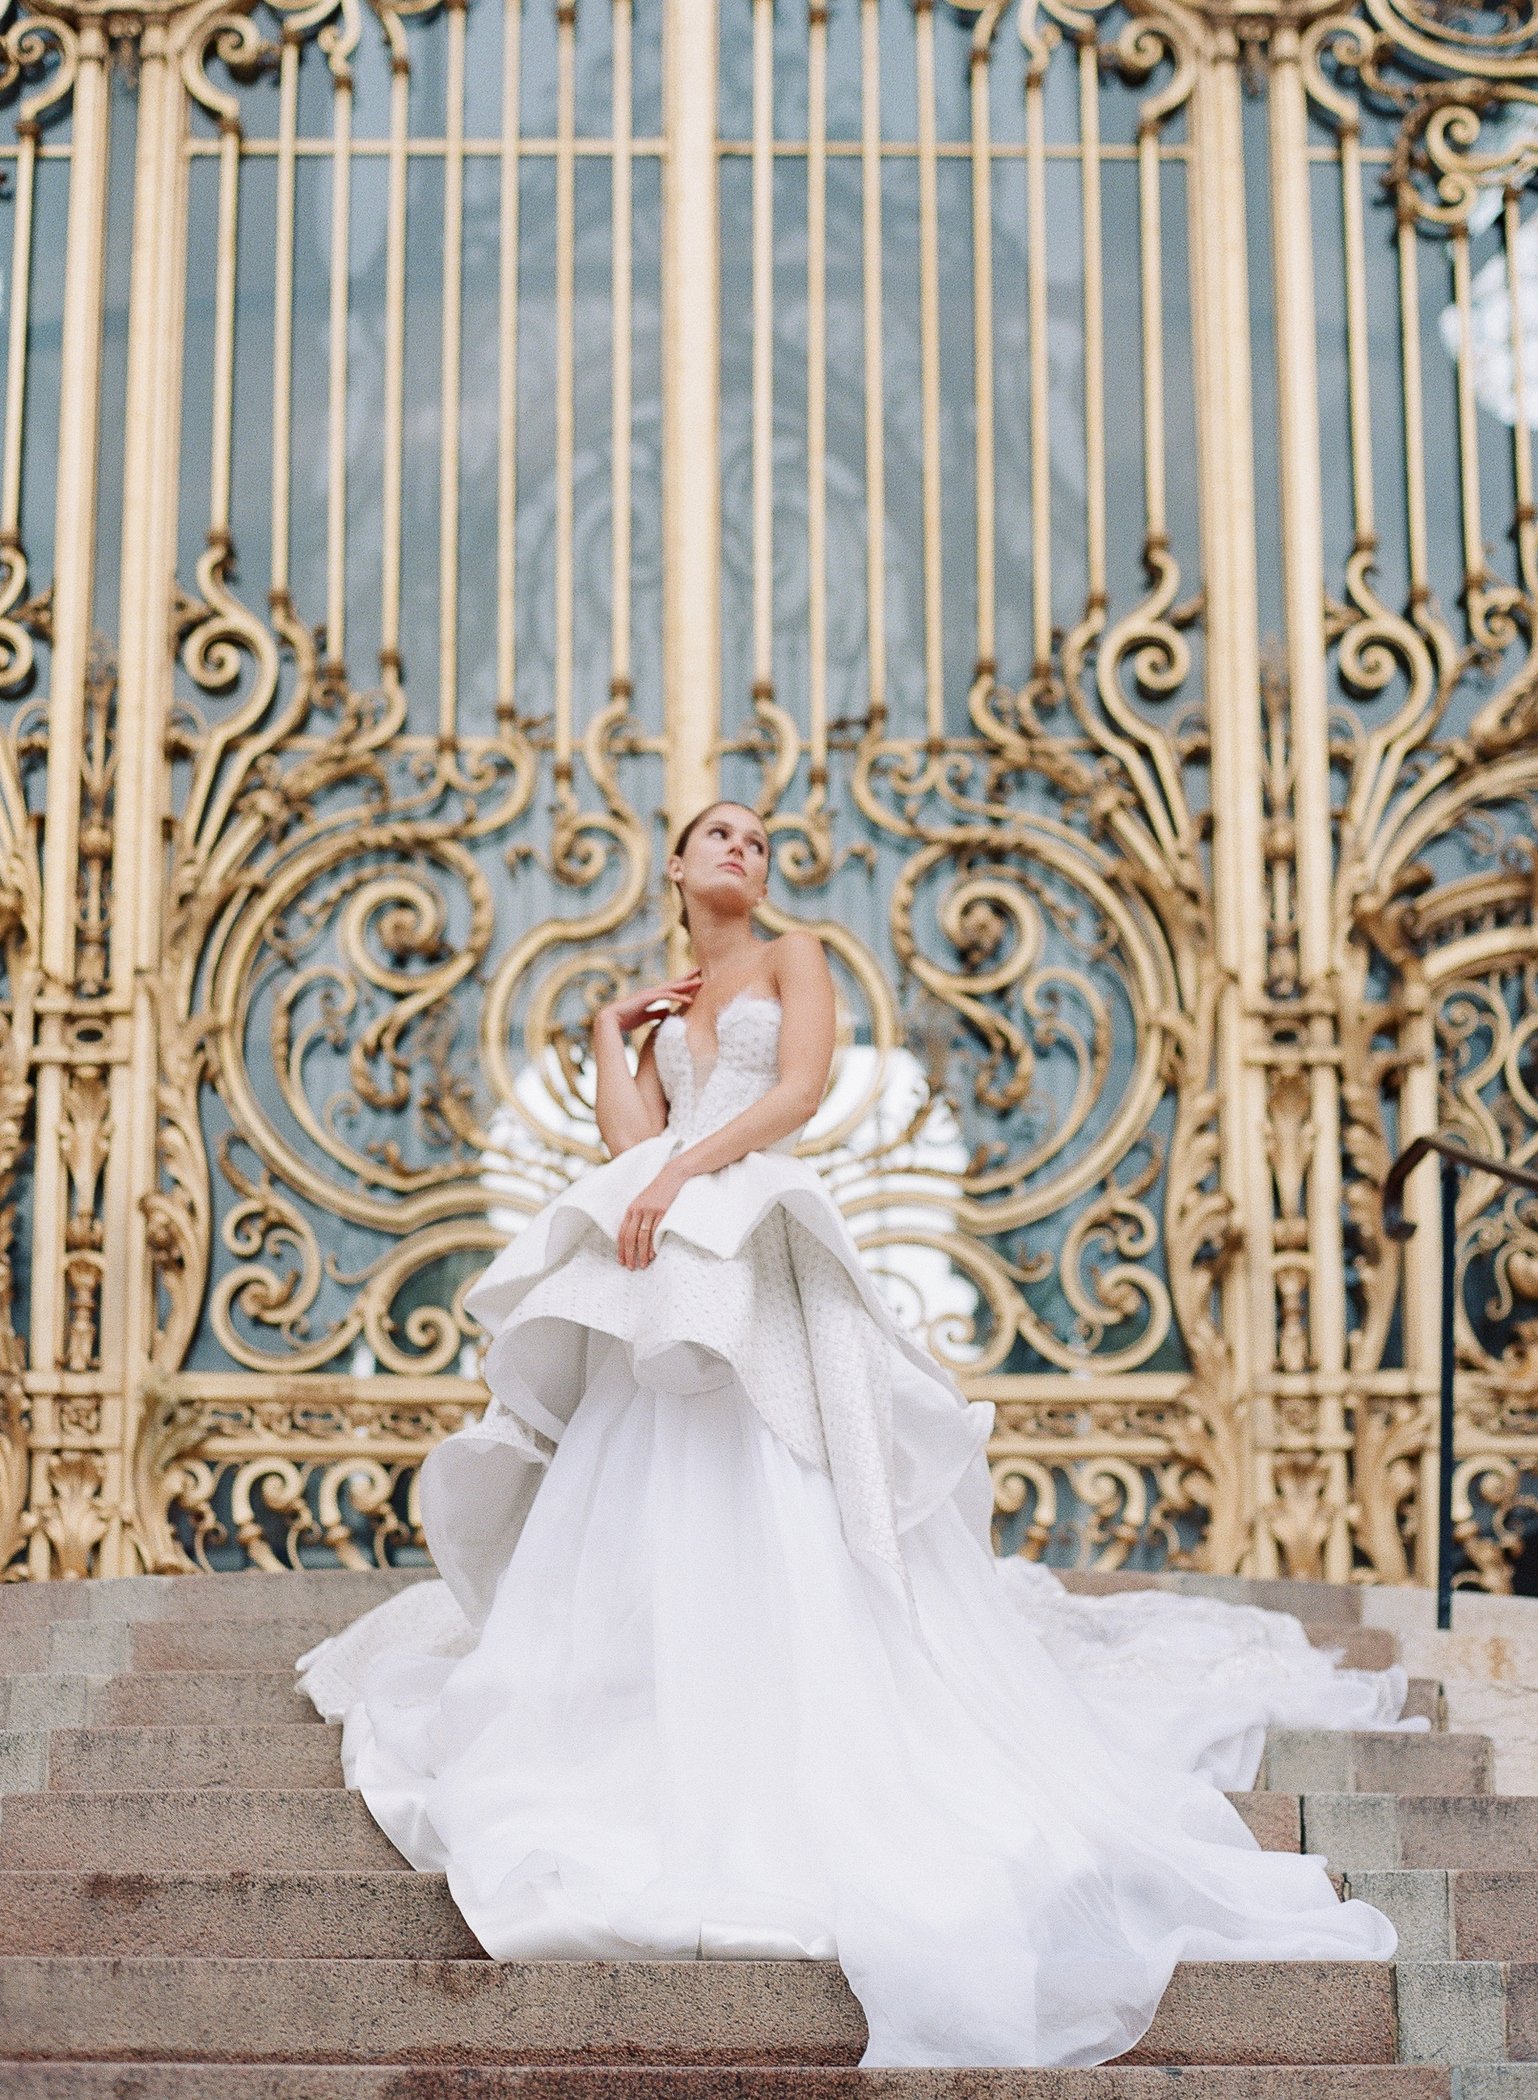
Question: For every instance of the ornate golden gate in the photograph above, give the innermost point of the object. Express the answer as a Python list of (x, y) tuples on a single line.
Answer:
[(1069, 465)]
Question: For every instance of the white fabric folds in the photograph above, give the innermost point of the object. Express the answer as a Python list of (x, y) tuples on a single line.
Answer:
[(722, 1664)]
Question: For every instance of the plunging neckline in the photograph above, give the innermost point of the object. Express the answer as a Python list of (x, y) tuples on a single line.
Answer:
[(737, 999)]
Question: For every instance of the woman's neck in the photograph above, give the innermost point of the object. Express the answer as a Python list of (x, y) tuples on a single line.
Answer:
[(723, 947)]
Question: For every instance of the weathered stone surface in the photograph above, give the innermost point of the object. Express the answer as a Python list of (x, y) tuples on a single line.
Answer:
[(724, 2082), (429, 2012), (278, 1830), (1451, 2011), (277, 1754), (1418, 1903), (250, 1914), (1488, 1664), (1274, 2013), (23, 1760), (338, 1593), (1339, 1604), (1331, 1761), (1522, 2011), (1358, 1832), (191, 1698), (1494, 1913), (220, 1644), (1274, 1819)]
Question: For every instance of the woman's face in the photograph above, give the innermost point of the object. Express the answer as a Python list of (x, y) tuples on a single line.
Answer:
[(725, 860)]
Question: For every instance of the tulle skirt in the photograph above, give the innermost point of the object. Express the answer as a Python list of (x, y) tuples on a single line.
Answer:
[(693, 1725)]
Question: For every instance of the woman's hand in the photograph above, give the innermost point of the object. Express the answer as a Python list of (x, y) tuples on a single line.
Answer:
[(636, 1008), (636, 1243)]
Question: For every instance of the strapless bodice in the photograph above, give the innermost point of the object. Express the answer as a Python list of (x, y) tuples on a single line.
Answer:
[(746, 1066)]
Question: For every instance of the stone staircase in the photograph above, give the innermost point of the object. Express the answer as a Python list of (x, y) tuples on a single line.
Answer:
[(193, 1907)]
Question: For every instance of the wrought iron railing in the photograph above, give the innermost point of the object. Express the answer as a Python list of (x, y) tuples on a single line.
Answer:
[(1454, 1157)]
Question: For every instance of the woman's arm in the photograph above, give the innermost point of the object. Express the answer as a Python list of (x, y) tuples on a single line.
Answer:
[(629, 1105), (807, 1027)]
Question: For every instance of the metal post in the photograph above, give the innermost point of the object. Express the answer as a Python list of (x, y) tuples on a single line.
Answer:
[(1445, 1542)]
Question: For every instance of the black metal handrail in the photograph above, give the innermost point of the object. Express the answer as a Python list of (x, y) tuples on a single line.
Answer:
[(1454, 1156)]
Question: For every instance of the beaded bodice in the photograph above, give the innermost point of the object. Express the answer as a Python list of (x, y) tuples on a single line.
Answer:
[(746, 1066)]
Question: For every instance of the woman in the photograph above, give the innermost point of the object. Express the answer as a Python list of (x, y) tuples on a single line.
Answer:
[(744, 1677)]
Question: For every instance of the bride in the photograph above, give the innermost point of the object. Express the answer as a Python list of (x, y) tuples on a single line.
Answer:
[(721, 1662)]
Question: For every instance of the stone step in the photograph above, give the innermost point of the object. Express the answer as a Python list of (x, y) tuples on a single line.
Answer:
[(1424, 1701), (1463, 1913), (306, 1593), (199, 1698), (161, 2081), (280, 1754), (1330, 1761), (1337, 1602), (1361, 1832), (255, 1593), (694, 2012), (292, 1755), (277, 1830), (109, 1647), (246, 1915)]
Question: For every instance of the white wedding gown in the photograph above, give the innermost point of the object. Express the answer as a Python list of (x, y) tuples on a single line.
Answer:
[(744, 1678)]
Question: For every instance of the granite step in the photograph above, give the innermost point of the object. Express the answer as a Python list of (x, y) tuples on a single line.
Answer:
[(278, 1830), (1362, 1832), (1377, 1761), (290, 1755), (694, 2012), (1460, 1913), (199, 1698), (289, 1830), (335, 1593), (246, 1915), (47, 1699), (278, 1754), (161, 2081), (1340, 1602)]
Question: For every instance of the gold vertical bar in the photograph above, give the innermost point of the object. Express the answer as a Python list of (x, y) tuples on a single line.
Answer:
[(620, 302), (1468, 434), (448, 457), (1041, 436), (1225, 467), (763, 346), (1094, 316), (283, 309), (565, 376), (21, 307), (1521, 428), (1414, 450), (75, 490), (152, 419), (393, 435), (817, 389), (982, 348), (1151, 253), (691, 407), (1358, 361), (871, 313), (507, 362), (1302, 536), (929, 365), (224, 329), (336, 462)]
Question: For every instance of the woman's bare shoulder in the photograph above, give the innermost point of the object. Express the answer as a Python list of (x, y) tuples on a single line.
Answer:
[(798, 958)]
